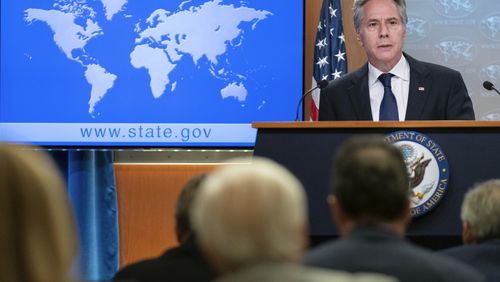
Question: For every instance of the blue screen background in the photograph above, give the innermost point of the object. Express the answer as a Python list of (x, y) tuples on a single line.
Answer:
[(40, 84)]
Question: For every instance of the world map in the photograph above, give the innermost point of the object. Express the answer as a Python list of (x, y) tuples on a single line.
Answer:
[(204, 32)]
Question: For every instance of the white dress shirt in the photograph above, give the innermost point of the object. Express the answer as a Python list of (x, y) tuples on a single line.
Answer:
[(400, 85)]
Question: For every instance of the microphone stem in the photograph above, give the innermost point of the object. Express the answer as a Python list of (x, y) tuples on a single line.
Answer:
[(302, 100)]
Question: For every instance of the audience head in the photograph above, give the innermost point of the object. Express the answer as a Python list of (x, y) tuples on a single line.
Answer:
[(184, 205), (370, 184), (481, 212), (250, 213), (37, 235)]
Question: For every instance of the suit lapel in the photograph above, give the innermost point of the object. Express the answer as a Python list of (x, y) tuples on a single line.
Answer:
[(360, 95), (419, 89)]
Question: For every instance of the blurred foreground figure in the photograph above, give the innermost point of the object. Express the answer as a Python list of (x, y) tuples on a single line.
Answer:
[(251, 223), (481, 230), (37, 234)]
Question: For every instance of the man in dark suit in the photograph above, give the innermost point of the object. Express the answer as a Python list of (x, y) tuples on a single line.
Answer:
[(371, 206), (393, 85), (182, 263), (481, 230)]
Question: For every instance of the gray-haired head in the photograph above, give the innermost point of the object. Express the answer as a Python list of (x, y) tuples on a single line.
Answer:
[(357, 14), (481, 210), (250, 213)]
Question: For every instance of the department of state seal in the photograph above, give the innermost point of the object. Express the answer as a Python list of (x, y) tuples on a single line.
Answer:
[(427, 168)]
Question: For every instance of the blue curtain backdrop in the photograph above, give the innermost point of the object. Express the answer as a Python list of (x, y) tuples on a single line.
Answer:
[(92, 191)]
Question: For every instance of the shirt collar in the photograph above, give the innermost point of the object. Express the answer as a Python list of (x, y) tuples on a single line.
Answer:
[(401, 70)]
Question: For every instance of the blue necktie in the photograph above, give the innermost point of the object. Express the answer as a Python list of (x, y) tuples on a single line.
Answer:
[(388, 107)]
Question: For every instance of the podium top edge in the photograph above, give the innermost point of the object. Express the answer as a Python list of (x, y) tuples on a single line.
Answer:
[(379, 124)]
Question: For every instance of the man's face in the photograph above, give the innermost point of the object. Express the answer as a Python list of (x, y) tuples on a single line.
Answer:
[(382, 33)]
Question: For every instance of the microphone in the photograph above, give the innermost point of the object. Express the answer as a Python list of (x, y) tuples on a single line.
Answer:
[(321, 84), (489, 86)]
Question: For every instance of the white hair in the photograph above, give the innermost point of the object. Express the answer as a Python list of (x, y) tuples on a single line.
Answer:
[(481, 210), (249, 213)]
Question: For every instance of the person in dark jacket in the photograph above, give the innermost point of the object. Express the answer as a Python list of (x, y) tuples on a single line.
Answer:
[(371, 205), (481, 230), (182, 263)]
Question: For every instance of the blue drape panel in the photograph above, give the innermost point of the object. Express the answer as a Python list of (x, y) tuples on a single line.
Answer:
[(92, 192)]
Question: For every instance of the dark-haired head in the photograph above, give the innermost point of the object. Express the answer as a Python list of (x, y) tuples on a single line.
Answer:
[(370, 181), (184, 205)]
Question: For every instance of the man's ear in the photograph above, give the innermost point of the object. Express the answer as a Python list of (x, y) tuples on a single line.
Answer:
[(358, 38), (338, 214), (407, 213), (467, 236)]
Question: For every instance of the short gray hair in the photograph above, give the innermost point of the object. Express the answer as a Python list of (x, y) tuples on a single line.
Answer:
[(249, 213), (357, 10), (481, 210)]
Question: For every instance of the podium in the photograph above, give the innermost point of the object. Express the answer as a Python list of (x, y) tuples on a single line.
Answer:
[(307, 149)]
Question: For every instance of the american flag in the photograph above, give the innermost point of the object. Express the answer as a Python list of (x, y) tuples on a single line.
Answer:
[(330, 61)]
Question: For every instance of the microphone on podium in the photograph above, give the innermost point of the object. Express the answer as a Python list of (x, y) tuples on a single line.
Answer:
[(320, 85), (489, 86)]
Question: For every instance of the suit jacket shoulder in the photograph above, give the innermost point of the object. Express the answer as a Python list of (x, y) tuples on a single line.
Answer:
[(183, 263), (346, 98), (485, 257), (376, 250)]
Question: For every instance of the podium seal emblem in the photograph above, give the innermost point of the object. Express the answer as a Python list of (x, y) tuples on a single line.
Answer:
[(427, 168)]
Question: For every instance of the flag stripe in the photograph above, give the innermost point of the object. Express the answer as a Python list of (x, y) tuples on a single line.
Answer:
[(314, 115), (330, 60)]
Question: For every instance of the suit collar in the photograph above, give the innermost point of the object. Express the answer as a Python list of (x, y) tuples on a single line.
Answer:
[(374, 233), (359, 94), (400, 70), (420, 84), (188, 247)]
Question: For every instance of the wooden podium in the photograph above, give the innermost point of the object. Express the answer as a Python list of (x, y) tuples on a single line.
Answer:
[(307, 150)]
